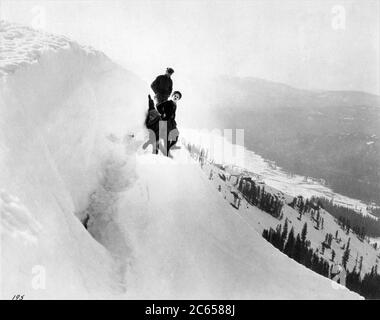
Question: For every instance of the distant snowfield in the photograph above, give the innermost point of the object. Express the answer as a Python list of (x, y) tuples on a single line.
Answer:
[(271, 174), (156, 228), (296, 185)]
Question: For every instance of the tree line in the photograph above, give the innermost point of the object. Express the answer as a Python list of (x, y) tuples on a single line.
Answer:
[(368, 286), (257, 196), (298, 248), (349, 219), (308, 206)]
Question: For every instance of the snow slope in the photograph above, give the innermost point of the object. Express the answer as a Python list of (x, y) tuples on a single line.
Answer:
[(70, 151), (188, 243), (260, 220), (56, 100)]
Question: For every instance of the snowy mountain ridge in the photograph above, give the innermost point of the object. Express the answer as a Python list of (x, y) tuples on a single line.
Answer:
[(22, 46), (85, 213)]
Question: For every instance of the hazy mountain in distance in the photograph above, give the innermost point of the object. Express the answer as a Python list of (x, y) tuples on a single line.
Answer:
[(253, 92), (323, 134)]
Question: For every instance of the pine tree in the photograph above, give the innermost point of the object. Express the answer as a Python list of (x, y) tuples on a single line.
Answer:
[(361, 264), (362, 232), (300, 206), (284, 233), (298, 248), (346, 256), (328, 240), (332, 255), (326, 268), (289, 246), (307, 205), (277, 239), (304, 233)]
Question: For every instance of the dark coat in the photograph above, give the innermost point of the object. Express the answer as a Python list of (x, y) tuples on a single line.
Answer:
[(163, 85), (167, 110)]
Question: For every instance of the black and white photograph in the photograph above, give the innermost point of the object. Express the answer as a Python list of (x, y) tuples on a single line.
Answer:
[(189, 150)]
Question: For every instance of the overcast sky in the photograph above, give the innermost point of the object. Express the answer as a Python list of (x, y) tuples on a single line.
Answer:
[(308, 44)]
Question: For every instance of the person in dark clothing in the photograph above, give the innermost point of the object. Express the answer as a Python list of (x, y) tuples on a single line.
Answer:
[(152, 123), (168, 110), (163, 86)]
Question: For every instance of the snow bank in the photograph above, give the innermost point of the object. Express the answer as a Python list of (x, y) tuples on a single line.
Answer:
[(58, 102)]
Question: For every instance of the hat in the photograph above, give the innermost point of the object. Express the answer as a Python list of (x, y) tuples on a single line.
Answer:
[(169, 70)]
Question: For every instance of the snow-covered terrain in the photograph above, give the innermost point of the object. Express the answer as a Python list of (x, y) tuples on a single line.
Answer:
[(260, 220), (70, 157), (54, 110), (268, 172)]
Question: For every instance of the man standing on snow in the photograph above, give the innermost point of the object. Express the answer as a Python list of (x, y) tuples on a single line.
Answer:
[(163, 86)]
